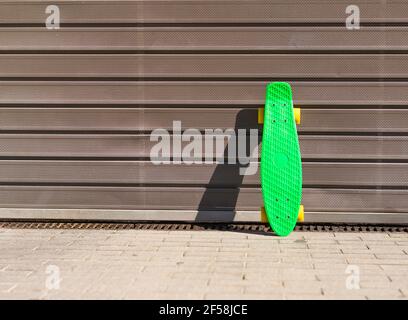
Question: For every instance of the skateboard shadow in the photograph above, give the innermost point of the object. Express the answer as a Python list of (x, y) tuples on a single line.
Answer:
[(228, 177)]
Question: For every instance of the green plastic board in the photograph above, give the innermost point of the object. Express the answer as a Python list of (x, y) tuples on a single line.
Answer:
[(281, 166)]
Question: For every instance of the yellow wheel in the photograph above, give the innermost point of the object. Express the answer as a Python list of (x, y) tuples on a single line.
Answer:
[(301, 214), (297, 115), (261, 115), (264, 218)]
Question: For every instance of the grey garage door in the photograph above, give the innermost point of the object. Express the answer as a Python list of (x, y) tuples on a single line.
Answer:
[(78, 106)]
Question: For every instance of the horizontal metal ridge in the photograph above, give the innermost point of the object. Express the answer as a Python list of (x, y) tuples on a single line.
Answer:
[(212, 175), (201, 199), (140, 146), (199, 92), (201, 66), (203, 11), (202, 38), (135, 119)]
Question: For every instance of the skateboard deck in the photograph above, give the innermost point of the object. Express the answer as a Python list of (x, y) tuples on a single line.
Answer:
[(281, 166)]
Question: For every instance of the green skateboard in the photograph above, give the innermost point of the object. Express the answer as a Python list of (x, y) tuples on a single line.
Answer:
[(281, 166)]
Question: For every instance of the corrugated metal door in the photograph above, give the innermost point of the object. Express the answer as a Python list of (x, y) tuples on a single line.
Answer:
[(79, 104)]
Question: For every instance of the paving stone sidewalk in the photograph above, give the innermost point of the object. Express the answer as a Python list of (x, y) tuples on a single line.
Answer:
[(140, 264)]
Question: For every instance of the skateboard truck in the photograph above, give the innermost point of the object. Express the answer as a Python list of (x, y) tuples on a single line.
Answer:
[(261, 111)]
